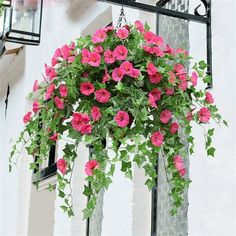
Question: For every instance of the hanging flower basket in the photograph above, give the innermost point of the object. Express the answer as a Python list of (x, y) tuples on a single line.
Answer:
[(125, 86)]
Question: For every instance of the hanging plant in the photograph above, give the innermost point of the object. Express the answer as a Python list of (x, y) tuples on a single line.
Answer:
[(129, 88)]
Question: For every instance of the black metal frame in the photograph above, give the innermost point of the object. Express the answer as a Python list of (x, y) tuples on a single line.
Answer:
[(49, 171), (196, 17), (6, 3), (21, 40)]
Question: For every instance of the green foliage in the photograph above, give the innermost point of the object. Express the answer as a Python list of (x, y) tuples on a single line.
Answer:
[(131, 144)]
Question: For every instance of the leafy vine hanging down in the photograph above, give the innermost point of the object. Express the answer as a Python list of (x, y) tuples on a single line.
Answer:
[(125, 85)]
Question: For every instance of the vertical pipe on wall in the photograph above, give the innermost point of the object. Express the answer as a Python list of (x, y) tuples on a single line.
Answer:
[(209, 46)]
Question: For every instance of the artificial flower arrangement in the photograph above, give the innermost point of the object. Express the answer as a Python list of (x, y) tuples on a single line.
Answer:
[(123, 85)]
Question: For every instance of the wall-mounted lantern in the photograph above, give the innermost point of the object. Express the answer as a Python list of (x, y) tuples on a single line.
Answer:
[(21, 21)]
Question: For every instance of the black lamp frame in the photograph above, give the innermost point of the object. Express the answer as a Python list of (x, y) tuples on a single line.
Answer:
[(8, 38)]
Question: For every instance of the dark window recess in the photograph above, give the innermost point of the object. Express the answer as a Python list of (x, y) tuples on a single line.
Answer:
[(50, 169)]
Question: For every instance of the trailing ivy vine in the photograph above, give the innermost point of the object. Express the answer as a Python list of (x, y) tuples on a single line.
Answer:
[(125, 86)]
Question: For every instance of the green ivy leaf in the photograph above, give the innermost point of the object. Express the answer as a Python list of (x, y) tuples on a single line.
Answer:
[(61, 194), (225, 123), (211, 151), (87, 191), (125, 166)]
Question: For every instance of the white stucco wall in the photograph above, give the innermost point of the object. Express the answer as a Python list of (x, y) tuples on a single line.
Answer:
[(212, 194)]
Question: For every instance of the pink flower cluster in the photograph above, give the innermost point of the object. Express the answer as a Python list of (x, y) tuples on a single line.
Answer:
[(126, 68), (80, 122)]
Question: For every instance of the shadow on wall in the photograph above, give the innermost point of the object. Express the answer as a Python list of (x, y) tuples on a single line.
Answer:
[(77, 7)]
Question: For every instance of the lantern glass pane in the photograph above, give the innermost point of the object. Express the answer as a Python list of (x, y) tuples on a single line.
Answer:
[(25, 19), (5, 22)]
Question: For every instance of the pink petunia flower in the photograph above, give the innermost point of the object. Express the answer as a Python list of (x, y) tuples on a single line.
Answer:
[(169, 91), (86, 88), (169, 50), (36, 106), (158, 52), (65, 52), (127, 67), (152, 101), (147, 48), (86, 129), (85, 55), (183, 85), (106, 77), (54, 137), (78, 120), (109, 28), (72, 46), (165, 116), (209, 98), (122, 118), (59, 103), (179, 68), (120, 52), (71, 59), (56, 57), (35, 86), (90, 166), (157, 40), (96, 113), (102, 95), (117, 74), (99, 36), (182, 51), (94, 59), (50, 72), (194, 78), (189, 116), (61, 166), (63, 90), (85, 74), (179, 165), (182, 172), (109, 57), (174, 127), (156, 78), (139, 26), (157, 138), (148, 36), (99, 49), (135, 73), (156, 93), (204, 115), (27, 117), (122, 33), (49, 91), (151, 69)]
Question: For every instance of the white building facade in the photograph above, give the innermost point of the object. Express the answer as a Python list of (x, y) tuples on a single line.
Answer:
[(126, 206)]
